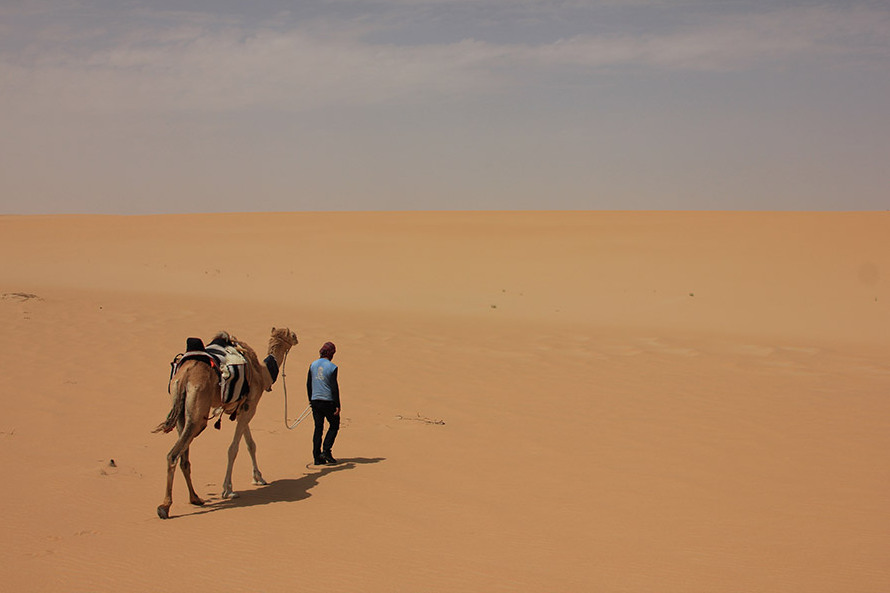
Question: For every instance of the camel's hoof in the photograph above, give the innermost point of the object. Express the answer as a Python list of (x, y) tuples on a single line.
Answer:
[(163, 512), (260, 482), (197, 503), (231, 495)]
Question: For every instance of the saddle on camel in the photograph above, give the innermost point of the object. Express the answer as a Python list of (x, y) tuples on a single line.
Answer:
[(224, 356)]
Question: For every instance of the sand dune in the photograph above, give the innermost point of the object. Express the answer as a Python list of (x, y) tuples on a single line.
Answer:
[(532, 402)]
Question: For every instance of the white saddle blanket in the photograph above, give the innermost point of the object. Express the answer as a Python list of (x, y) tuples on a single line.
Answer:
[(233, 371)]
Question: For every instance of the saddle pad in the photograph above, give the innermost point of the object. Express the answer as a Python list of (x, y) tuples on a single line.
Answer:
[(233, 372)]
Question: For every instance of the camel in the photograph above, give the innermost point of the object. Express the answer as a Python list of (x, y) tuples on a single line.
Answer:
[(195, 391)]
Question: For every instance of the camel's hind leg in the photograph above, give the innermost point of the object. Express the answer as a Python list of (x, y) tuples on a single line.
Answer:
[(186, 468), (179, 448)]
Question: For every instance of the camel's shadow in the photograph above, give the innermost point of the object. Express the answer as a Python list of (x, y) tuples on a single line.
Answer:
[(284, 490)]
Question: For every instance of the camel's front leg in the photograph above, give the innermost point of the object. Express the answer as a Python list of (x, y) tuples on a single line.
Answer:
[(227, 491), (251, 448)]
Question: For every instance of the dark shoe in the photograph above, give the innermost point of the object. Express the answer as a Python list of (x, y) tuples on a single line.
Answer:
[(328, 458), (320, 461)]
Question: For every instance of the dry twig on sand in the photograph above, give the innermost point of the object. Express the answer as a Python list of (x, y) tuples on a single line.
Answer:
[(423, 419), (20, 296)]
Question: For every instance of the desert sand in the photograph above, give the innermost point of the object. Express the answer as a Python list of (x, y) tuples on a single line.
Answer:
[(532, 401)]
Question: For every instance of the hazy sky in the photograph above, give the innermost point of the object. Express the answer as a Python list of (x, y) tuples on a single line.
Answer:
[(222, 105)]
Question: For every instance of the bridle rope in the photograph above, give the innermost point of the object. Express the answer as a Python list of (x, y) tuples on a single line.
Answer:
[(284, 385)]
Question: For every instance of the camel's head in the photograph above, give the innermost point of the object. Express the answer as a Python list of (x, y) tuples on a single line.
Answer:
[(283, 335)]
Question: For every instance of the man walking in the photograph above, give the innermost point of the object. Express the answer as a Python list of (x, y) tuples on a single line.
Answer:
[(324, 397)]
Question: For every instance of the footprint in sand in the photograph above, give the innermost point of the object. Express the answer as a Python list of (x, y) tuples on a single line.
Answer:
[(41, 553), (658, 345), (755, 350), (801, 350), (624, 351)]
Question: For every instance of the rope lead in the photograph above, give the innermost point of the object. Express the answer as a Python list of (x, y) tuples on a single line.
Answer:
[(284, 384)]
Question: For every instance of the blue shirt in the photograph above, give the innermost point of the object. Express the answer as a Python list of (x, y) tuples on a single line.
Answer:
[(322, 381)]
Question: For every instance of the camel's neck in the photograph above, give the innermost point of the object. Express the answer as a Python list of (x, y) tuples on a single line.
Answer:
[(278, 351)]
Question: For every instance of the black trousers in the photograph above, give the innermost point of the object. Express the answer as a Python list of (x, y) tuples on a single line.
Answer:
[(321, 411)]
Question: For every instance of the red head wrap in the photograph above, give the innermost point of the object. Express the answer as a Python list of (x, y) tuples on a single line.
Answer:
[(327, 350)]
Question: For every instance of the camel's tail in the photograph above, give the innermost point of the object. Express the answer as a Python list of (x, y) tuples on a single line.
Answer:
[(177, 410)]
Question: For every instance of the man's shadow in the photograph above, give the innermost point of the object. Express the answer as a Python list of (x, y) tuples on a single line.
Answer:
[(284, 490)]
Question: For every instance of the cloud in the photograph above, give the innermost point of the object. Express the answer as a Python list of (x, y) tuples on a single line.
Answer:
[(213, 64), (228, 70)]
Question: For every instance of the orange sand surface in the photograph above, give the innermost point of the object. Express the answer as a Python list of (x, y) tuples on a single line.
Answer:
[(532, 401)]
